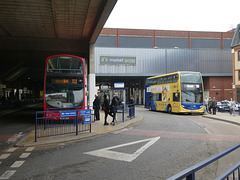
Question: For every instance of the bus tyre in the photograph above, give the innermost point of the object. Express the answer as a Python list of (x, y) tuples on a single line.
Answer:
[(169, 109), (150, 107)]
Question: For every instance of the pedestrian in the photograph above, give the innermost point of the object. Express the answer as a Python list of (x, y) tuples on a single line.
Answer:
[(206, 104), (131, 106), (232, 107), (96, 107), (106, 108), (113, 109), (214, 106), (210, 105)]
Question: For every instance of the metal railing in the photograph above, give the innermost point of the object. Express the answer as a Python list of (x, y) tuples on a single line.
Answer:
[(55, 122), (232, 173), (125, 112)]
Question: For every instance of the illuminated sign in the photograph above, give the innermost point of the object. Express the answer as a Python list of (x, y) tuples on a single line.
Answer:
[(67, 81), (119, 85), (117, 60)]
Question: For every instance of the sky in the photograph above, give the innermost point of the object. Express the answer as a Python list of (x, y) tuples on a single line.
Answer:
[(187, 15)]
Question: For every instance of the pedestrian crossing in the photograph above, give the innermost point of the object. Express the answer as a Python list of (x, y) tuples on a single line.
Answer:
[(11, 159)]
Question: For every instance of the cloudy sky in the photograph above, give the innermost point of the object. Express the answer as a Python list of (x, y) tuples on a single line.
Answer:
[(190, 15)]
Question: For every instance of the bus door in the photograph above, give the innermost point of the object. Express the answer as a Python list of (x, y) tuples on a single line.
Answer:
[(176, 102)]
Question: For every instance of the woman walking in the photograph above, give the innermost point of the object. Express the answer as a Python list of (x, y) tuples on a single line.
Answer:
[(106, 108)]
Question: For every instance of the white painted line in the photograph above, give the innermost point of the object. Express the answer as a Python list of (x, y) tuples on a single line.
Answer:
[(24, 155), (30, 149), (12, 149), (17, 164), (14, 138), (107, 153), (7, 174), (4, 156)]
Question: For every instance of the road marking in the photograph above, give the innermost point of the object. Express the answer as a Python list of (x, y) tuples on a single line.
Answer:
[(24, 155), (30, 149), (17, 164), (7, 174), (14, 137), (107, 153), (12, 149), (4, 156)]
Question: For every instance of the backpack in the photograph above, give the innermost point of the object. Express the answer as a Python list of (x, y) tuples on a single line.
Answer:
[(118, 101)]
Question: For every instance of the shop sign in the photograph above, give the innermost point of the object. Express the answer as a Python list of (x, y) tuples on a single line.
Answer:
[(114, 60)]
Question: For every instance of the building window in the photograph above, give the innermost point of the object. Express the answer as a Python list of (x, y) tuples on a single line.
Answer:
[(238, 55), (238, 75)]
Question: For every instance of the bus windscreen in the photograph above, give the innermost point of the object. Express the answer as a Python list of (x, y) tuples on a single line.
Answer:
[(64, 83)]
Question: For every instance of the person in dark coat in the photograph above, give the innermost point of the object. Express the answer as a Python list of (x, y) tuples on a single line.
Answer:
[(96, 107), (214, 105), (106, 108), (131, 105), (113, 108)]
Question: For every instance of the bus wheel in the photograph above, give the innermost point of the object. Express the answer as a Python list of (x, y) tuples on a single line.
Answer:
[(150, 107), (169, 109)]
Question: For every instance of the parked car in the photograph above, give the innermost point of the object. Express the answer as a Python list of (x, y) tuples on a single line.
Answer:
[(223, 106)]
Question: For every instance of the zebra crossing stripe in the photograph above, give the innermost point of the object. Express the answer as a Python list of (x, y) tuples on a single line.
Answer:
[(7, 174), (17, 164), (24, 155), (12, 149), (4, 156), (30, 149)]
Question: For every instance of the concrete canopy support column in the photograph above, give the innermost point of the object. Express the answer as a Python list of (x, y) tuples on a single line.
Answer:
[(139, 96), (92, 76)]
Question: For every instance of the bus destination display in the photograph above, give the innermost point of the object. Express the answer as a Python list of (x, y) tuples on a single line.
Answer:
[(67, 81)]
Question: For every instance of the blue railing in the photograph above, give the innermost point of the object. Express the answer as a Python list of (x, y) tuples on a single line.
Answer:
[(232, 173), (125, 112), (55, 122)]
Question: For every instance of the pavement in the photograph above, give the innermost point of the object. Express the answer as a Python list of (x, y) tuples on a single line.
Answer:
[(224, 116), (99, 129)]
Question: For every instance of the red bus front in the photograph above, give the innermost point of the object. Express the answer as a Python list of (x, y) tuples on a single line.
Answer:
[(64, 84)]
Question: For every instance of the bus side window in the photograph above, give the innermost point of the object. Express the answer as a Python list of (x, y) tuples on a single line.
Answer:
[(176, 97), (159, 97), (150, 97)]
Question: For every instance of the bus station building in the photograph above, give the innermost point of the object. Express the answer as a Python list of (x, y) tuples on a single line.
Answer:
[(129, 56)]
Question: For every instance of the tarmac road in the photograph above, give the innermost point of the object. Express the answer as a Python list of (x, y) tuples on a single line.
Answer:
[(156, 148)]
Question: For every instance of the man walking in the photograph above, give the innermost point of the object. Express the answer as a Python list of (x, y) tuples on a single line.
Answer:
[(232, 107), (214, 105), (113, 108)]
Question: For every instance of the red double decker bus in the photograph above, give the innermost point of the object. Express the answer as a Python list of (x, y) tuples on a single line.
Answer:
[(64, 82)]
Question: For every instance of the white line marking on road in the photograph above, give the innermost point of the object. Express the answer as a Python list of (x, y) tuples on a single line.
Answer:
[(14, 138), (12, 149), (4, 156), (107, 153), (17, 164), (7, 174), (30, 149), (24, 155)]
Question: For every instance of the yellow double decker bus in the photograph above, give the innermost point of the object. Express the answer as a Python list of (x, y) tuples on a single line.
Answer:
[(178, 92)]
